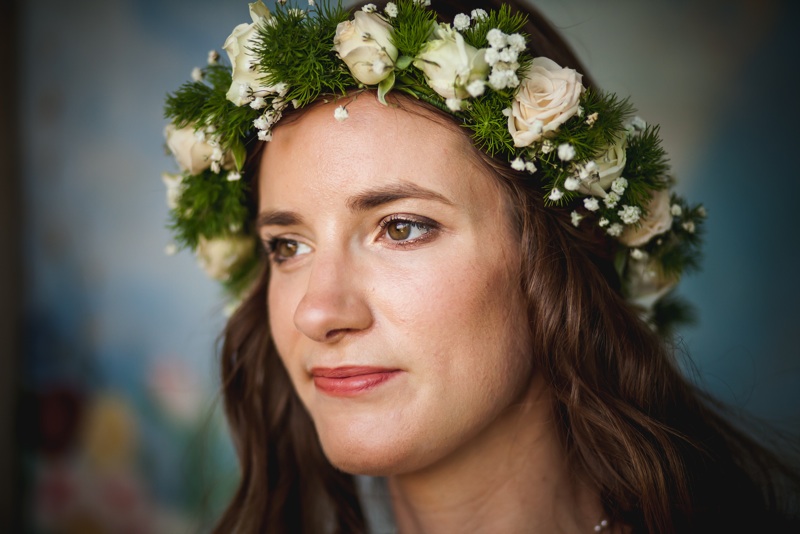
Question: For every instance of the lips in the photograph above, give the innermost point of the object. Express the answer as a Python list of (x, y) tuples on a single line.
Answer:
[(350, 381)]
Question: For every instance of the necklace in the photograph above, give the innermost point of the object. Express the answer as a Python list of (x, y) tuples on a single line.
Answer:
[(601, 526)]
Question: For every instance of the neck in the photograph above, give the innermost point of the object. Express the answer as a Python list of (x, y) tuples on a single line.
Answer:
[(513, 478)]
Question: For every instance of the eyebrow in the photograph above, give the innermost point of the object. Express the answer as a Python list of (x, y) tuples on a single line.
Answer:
[(373, 198), (360, 202)]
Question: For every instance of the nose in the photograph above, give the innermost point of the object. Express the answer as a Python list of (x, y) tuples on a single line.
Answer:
[(334, 304)]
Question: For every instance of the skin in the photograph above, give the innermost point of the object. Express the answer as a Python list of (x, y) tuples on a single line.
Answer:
[(392, 247)]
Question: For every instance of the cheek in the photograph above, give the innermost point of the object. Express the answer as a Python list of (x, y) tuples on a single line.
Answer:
[(281, 303)]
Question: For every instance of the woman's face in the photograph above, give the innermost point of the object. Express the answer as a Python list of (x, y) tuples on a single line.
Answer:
[(394, 299)]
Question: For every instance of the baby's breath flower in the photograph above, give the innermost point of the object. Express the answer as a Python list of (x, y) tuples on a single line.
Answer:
[(234, 176), (340, 113), (638, 123), (453, 104), (638, 254), (518, 164), (591, 119), (496, 38), (369, 8), (603, 222), (213, 57), (516, 42), (591, 203), (390, 10), (576, 218), (491, 56), (197, 74), (630, 214), (170, 249), (547, 147), (265, 135), (618, 185), (701, 212), (676, 210), (566, 152), (614, 230), (461, 22), (555, 194), (479, 14), (530, 167), (311, 3), (507, 55), (258, 103), (476, 88), (571, 184), (689, 226), (611, 200)]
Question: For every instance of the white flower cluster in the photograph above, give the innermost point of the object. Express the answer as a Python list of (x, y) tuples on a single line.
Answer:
[(267, 120), (502, 57)]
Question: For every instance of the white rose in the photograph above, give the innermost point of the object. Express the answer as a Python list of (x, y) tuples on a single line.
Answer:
[(547, 97), (609, 167), (192, 152), (239, 45), (365, 45), (450, 64), (219, 256), (657, 221)]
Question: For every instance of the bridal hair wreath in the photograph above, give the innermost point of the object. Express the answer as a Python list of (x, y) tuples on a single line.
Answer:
[(585, 148)]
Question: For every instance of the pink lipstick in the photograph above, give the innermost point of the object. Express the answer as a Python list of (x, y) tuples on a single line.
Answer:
[(350, 381)]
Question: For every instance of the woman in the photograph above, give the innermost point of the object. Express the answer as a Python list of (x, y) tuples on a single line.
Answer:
[(468, 250)]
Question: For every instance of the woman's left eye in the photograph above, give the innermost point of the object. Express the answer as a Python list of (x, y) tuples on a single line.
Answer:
[(402, 230)]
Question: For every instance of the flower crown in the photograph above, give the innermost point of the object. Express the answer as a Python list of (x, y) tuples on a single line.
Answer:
[(586, 148)]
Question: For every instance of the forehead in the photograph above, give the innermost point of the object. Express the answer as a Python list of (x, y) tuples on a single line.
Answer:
[(376, 145)]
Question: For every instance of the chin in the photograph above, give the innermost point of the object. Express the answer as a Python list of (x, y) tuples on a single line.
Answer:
[(373, 456)]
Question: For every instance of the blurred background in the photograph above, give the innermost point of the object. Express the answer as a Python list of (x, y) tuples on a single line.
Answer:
[(109, 416)]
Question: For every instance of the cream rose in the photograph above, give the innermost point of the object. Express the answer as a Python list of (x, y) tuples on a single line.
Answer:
[(657, 221), (365, 45), (192, 154), (547, 97), (450, 64), (608, 168), (220, 256), (239, 45)]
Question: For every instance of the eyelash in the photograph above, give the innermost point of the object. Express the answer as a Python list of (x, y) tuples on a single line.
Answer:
[(271, 246), (429, 226)]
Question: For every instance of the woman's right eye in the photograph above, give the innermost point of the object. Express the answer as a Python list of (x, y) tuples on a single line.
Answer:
[(281, 249)]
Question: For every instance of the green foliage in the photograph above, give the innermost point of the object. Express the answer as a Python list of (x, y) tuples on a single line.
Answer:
[(205, 102), (489, 126), (671, 312), (296, 48), (412, 27), (209, 205)]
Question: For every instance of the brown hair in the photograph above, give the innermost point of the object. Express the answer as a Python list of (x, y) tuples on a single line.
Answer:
[(656, 448)]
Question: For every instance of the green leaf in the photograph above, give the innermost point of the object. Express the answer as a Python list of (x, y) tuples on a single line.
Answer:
[(403, 62), (239, 154), (384, 87)]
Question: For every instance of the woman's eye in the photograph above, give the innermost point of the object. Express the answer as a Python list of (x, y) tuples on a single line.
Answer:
[(281, 249), (402, 230)]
